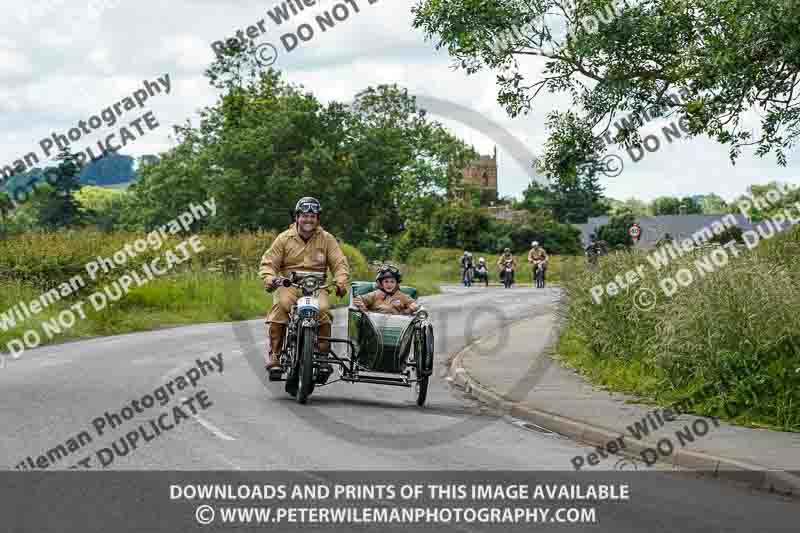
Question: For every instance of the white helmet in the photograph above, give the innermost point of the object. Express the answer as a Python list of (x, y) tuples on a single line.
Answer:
[(481, 260), (535, 243)]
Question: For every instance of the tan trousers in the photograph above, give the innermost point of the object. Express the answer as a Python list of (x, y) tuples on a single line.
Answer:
[(278, 316)]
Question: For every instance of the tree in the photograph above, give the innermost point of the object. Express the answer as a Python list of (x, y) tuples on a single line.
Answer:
[(690, 207), (616, 232), (374, 165), (574, 192), (666, 205), (111, 169), (731, 233), (712, 204), (631, 205), (536, 197), (720, 59), (105, 207), (60, 209)]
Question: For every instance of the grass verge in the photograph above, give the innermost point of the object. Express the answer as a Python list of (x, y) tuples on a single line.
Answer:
[(733, 331)]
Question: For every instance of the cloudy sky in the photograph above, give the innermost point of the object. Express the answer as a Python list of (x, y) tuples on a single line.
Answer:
[(62, 61)]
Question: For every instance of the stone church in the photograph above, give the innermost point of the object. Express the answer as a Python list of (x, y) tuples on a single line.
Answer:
[(480, 174)]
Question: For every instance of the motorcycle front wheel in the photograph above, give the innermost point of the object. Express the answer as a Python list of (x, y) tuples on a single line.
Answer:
[(306, 365)]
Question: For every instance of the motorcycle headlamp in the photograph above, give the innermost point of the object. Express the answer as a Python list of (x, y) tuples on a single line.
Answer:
[(422, 314)]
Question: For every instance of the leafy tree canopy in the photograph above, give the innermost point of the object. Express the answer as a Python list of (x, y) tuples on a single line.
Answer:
[(722, 58), (374, 164)]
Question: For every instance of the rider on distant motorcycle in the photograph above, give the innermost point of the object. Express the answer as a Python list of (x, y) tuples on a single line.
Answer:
[(536, 256), (503, 260), (466, 264), (306, 247), (388, 298), (481, 272)]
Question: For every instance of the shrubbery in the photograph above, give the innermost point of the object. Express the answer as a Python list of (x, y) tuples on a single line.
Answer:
[(200, 290), (45, 260), (470, 229), (736, 328)]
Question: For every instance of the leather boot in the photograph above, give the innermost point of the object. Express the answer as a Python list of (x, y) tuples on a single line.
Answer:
[(275, 345), (324, 347), (324, 331)]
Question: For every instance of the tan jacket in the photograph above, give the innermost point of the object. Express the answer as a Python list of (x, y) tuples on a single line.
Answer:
[(503, 258), (380, 302), (289, 253), (537, 253)]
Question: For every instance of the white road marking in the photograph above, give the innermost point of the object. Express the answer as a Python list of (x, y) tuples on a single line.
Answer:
[(144, 361), (229, 462), (55, 362), (209, 426)]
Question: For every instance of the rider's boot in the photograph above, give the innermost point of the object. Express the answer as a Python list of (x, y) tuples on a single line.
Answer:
[(273, 364), (325, 330)]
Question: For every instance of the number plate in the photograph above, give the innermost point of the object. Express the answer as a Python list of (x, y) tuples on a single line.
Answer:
[(307, 302)]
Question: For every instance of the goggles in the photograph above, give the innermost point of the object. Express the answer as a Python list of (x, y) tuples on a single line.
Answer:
[(309, 207), (389, 268)]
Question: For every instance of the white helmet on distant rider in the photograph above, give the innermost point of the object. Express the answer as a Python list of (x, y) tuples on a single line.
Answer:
[(535, 244)]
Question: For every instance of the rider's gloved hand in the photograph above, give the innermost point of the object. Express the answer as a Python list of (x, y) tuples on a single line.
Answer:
[(273, 284)]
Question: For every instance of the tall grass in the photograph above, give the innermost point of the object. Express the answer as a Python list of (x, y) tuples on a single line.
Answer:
[(217, 284), (737, 328)]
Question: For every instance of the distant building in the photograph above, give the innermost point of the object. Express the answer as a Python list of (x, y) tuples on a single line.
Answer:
[(480, 174), (678, 227)]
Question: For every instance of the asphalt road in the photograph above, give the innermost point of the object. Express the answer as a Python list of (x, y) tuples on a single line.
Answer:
[(52, 394)]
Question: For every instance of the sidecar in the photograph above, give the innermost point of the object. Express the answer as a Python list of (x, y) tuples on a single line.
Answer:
[(388, 349)]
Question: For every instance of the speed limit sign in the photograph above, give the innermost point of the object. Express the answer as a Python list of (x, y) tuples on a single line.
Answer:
[(635, 231)]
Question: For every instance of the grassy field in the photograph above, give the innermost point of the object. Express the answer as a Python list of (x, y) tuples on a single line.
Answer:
[(736, 329), (219, 284)]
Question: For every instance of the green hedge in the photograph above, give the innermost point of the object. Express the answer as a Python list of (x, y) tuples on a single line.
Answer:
[(737, 329)]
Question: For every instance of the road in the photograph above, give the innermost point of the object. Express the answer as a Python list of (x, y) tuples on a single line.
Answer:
[(51, 394)]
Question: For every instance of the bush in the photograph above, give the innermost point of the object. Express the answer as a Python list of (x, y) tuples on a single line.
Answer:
[(735, 328), (198, 291), (359, 267), (732, 233), (617, 232)]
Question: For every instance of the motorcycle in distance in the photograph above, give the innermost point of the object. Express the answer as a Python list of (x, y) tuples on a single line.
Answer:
[(299, 360), (466, 276), (538, 274), (482, 274), (507, 274)]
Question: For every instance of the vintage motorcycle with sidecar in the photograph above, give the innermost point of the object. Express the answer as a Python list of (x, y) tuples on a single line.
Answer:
[(380, 349)]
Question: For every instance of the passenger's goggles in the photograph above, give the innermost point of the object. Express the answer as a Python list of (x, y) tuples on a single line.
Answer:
[(309, 207), (390, 269)]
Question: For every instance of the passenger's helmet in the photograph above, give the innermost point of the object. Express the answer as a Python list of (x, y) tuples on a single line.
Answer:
[(388, 271), (307, 204)]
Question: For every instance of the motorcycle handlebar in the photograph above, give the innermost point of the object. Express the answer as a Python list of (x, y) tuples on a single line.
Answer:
[(286, 282)]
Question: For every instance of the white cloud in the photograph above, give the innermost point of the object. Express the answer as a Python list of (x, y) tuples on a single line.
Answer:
[(60, 66)]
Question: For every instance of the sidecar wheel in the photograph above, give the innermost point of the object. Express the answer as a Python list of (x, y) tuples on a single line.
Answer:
[(422, 390), (424, 358)]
